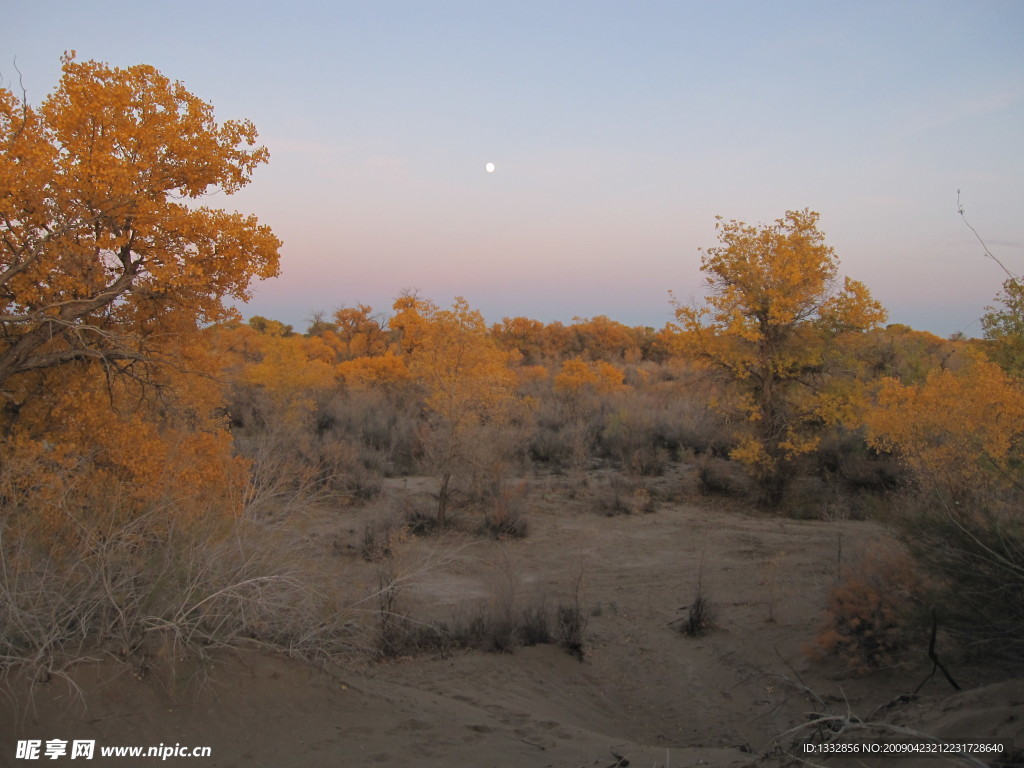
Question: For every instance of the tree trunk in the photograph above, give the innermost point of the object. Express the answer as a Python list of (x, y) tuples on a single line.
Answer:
[(442, 500)]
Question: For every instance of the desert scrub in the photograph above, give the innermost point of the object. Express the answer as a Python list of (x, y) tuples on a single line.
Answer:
[(871, 613), (973, 552), (506, 512)]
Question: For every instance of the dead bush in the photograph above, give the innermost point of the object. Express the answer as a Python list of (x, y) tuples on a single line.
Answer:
[(871, 615), (149, 585), (720, 477), (498, 624), (624, 495), (560, 439), (973, 551), (535, 625), (376, 542), (700, 614), (699, 617), (843, 458), (571, 620), (383, 531), (420, 517), (506, 517), (385, 424), (570, 625), (631, 438)]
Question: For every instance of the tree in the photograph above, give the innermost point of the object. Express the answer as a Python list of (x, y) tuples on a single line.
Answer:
[(961, 434), (465, 376), (960, 431), (1003, 327), (100, 257), (360, 332), (774, 309), (108, 274)]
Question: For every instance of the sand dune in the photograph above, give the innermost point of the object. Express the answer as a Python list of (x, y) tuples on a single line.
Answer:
[(643, 692)]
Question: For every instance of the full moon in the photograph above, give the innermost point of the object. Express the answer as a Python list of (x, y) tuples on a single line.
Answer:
[(489, 167)]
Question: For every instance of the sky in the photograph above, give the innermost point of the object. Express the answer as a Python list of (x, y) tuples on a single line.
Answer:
[(618, 130)]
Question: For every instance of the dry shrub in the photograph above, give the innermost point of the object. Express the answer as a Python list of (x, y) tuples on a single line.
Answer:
[(376, 543), (720, 477), (146, 586), (499, 624), (624, 495), (293, 465), (631, 438), (871, 613), (973, 549), (535, 624), (507, 517), (699, 617), (141, 581), (560, 438), (419, 515), (394, 637), (491, 628), (571, 619), (380, 536), (570, 626), (700, 614), (844, 458), (384, 424)]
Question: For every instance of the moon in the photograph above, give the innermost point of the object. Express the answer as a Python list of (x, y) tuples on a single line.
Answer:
[(489, 167)]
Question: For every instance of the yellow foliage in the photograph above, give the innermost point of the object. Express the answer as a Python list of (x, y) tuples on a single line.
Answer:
[(574, 377), (956, 428), (108, 273), (287, 368), (466, 375), (527, 374), (359, 333), (94, 233), (463, 373), (577, 376), (94, 454), (374, 372), (606, 339), (770, 322)]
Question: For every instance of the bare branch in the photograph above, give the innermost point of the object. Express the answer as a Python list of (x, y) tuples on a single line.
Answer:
[(988, 253)]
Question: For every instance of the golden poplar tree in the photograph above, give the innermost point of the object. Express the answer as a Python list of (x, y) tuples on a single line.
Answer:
[(464, 375), (108, 270), (774, 308)]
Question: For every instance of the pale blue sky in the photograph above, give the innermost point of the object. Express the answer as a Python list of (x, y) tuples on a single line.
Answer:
[(619, 131)]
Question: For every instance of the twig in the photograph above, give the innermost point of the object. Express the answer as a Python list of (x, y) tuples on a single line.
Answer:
[(800, 684), (988, 253), (935, 658)]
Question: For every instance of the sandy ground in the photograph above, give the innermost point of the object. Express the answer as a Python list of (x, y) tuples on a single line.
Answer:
[(643, 694)]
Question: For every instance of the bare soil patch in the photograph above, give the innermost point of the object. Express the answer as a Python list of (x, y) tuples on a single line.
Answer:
[(643, 692)]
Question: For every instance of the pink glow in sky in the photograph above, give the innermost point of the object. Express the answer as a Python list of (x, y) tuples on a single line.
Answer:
[(619, 131)]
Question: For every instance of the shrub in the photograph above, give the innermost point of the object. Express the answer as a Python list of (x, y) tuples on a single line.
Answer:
[(974, 552), (699, 617), (535, 628), (844, 456), (870, 614), (631, 438), (571, 623), (624, 495), (420, 517), (149, 584), (961, 435), (717, 476), (506, 517)]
